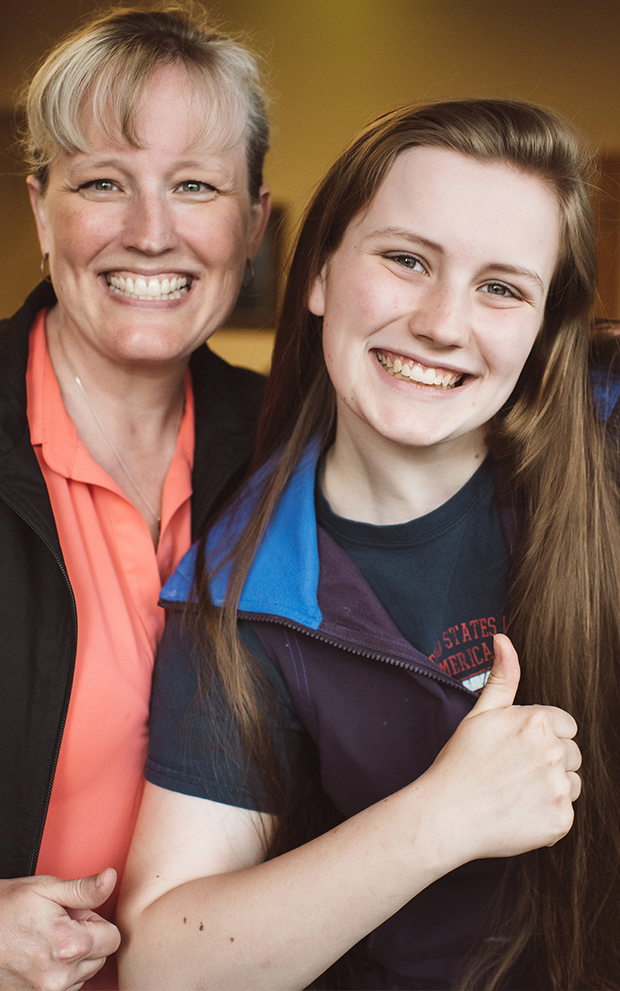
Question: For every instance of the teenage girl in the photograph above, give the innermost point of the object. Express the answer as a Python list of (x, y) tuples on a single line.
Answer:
[(431, 471)]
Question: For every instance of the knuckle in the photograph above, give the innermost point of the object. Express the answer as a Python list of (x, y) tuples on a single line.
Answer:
[(534, 718), (54, 980), (565, 814), (556, 755)]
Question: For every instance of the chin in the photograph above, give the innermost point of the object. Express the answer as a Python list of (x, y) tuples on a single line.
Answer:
[(149, 352)]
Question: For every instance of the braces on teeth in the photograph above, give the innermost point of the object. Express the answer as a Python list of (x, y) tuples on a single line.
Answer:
[(150, 289), (411, 371)]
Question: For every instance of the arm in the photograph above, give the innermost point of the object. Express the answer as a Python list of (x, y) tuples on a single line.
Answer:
[(200, 909), (49, 935)]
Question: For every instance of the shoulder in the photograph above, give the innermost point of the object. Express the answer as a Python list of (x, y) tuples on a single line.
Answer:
[(227, 402), (14, 345), (285, 567), (20, 323), (228, 385)]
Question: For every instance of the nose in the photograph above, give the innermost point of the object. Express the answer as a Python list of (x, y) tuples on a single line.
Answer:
[(442, 317), (149, 225)]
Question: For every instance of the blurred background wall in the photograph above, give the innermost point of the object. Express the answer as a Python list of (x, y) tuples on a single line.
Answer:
[(332, 65)]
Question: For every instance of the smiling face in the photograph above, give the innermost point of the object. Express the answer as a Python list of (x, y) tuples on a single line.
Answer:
[(148, 245), (434, 298)]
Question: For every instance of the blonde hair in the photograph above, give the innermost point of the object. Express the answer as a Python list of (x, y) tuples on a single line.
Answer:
[(100, 72)]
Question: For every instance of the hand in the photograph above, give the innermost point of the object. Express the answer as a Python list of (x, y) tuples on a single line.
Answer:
[(50, 939), (507, 775)]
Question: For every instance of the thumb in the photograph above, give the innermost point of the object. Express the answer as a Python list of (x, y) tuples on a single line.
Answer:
[(82, 892), (501, 688)]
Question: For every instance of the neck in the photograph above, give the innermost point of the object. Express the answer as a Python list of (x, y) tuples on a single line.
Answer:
[(127, 415), (373, 480), (130, 394)]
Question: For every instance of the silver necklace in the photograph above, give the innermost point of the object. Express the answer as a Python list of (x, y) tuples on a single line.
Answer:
[(115, 451)]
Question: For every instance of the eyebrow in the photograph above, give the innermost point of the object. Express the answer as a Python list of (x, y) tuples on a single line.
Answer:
[(418, 239), (92, 162), (406, 235)]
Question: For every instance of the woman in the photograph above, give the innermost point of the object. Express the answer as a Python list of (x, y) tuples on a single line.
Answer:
[(146, 137), (429, 408)]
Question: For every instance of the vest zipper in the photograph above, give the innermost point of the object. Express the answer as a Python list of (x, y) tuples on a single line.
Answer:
[(32, 864), (345, 645)]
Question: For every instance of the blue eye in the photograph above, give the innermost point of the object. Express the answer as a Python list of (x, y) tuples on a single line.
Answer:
[(100, 185), (411, 262), (499, 290), (195, 186)]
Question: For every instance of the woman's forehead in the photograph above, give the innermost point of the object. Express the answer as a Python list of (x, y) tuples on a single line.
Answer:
[(172, 107)]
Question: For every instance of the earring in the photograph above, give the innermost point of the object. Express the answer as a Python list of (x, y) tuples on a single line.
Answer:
[(249, 268), (45, 263)]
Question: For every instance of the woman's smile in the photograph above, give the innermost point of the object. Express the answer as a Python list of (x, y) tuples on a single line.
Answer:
[(149, 288)]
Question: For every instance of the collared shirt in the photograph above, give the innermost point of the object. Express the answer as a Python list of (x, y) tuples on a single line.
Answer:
[(116, 574)]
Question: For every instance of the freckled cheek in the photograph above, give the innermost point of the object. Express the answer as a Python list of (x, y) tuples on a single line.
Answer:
[(373, 301), (217, 242), (505, 349), (79, 234)]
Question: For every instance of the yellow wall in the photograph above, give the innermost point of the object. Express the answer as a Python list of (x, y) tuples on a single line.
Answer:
[(334, 64)]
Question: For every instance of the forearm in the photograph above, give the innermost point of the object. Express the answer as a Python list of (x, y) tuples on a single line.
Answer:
[(281, 923)]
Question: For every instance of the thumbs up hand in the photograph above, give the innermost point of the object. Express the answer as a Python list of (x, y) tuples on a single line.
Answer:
[(501, 687), (507, 775)]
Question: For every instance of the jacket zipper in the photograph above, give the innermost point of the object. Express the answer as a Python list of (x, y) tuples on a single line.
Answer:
[(345, 645), (32, 864)]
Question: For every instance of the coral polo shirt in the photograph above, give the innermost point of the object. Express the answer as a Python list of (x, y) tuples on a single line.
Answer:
[(116, 575)]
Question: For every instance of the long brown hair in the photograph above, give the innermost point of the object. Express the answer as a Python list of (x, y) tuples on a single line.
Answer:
[(564, 600)]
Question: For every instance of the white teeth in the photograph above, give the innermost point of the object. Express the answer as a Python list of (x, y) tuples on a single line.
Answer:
[(151, 289), (415, 372)]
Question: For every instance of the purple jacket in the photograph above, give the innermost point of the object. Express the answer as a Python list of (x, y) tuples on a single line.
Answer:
[(377, 709)]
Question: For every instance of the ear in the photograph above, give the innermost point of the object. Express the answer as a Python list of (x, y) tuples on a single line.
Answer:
[(316, 296), (258, 221), (37, 202)]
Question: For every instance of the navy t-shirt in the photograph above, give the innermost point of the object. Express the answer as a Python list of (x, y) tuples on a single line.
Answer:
[(442, 578)]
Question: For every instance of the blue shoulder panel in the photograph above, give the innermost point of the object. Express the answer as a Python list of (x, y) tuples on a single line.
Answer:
[(606, 390), (284, 576)]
